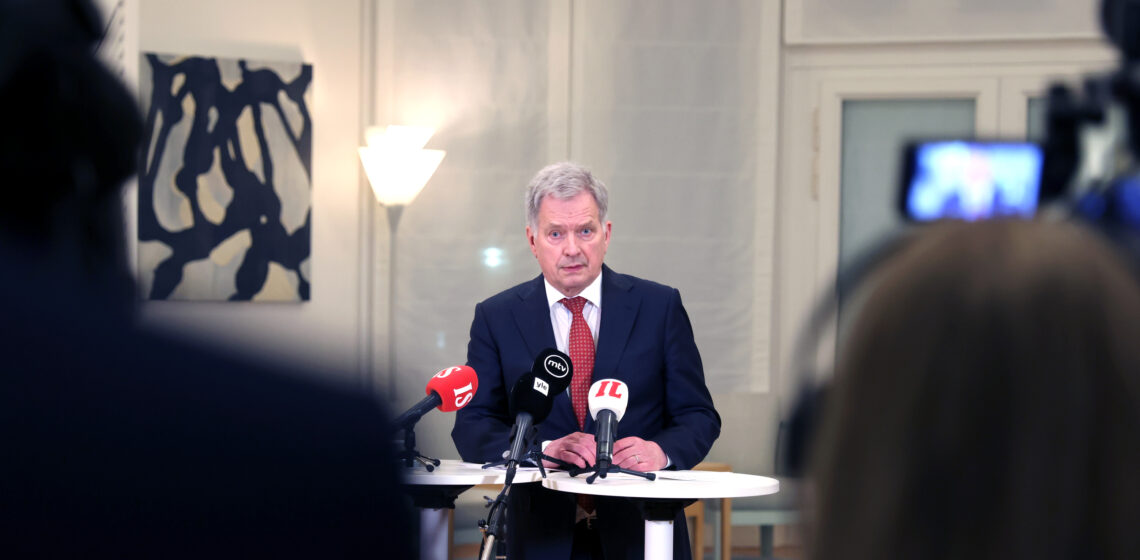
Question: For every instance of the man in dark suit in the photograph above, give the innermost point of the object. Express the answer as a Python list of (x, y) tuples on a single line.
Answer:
[(613, 326)]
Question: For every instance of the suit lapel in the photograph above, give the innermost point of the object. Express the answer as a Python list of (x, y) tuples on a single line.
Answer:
[(532, 315), (619, 309)]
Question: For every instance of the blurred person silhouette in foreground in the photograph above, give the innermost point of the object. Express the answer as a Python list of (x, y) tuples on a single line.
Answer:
[(986, 403), (122, 443)]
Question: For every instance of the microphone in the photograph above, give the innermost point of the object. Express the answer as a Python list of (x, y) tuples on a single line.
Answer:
[(449, 390), (607, 401), (531, 399), (533, 396)]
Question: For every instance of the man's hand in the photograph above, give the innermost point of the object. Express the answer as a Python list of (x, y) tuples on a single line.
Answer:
[(577, 449), (636, 454)]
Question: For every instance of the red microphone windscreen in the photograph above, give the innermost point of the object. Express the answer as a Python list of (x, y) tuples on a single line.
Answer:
[(455, 385)]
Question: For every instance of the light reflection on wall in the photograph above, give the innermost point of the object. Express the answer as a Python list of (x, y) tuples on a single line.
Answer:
[(492, 257)]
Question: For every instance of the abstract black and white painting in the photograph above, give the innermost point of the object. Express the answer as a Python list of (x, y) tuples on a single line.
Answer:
[(225, 179)]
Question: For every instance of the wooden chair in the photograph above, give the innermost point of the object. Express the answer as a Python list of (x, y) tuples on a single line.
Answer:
[(695, 512)]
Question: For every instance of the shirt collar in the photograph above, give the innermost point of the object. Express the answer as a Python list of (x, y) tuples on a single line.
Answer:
[(592, 293)]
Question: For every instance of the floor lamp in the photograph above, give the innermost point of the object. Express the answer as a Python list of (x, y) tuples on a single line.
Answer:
[(398, 167)]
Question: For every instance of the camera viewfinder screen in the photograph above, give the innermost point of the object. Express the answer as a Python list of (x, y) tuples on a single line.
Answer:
[(972, 180)]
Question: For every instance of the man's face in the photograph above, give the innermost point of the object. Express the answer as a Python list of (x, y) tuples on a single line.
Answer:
[(570, 242)]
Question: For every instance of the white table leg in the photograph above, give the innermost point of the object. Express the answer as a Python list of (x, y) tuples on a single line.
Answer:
[(433, 534), (658, 540)]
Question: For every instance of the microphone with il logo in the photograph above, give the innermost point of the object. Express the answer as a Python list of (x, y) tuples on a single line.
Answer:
[(608, 399)]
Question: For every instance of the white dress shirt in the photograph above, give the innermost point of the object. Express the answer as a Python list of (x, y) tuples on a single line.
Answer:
[(560, 316)]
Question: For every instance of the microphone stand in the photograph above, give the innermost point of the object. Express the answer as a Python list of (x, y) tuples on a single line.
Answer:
[(409, 456), (532, 454), (493, 526), (604, 467)]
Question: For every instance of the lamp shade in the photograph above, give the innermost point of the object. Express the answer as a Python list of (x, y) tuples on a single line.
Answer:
[(396, 164)]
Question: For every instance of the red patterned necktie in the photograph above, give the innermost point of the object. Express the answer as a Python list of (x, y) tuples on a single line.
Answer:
[(581, 356)]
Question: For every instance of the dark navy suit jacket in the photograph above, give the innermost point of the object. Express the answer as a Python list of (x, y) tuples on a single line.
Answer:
[(644, 339)]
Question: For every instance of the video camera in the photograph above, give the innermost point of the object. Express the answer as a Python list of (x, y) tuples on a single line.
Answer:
[(1088, 167)]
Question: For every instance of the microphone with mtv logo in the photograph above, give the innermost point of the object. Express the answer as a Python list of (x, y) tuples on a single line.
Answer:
[(532, 398)]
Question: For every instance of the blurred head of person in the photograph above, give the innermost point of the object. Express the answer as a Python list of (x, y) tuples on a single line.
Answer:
[(68, 140), (986, 403)]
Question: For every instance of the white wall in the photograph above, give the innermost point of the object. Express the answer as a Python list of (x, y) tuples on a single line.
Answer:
[(323, 333)]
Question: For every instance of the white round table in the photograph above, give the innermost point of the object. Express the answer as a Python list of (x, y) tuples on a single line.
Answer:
[(434, 493), (662, 498)]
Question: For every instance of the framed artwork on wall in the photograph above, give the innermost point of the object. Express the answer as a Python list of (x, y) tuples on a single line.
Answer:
[(225, 179)]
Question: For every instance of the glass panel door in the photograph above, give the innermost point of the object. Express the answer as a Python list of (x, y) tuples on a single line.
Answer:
[(874, 134)]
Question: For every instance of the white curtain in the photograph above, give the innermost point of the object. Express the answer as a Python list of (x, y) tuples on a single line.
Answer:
[(658, 97), (664, 109)]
